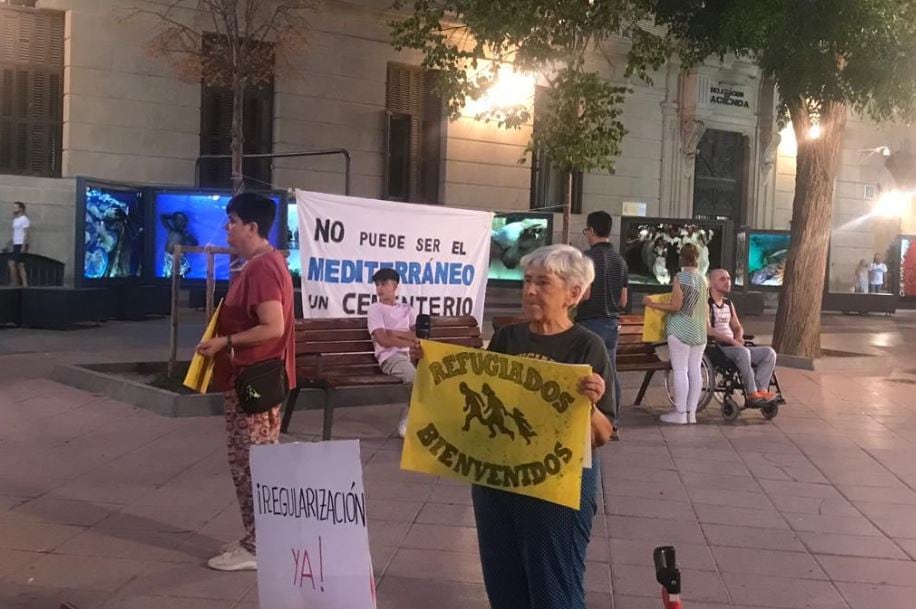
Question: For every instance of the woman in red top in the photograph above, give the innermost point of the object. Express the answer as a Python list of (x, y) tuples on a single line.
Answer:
[(255, 324)]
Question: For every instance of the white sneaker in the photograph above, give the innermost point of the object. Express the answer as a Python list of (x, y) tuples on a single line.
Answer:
[(675, 418), (692, 417), (238, 559), (402, 425)]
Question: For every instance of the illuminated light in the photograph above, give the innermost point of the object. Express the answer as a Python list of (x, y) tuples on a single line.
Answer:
[(214, 197), (815, 132), (893, 204), (787, 144), (510, 89)]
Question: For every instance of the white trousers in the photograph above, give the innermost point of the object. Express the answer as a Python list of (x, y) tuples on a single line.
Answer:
[(688, 379)]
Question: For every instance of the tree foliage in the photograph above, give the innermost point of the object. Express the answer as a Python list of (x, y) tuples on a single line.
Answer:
[(228, 43), (466, 42), (858, 53), (827, 57), (224, 42)]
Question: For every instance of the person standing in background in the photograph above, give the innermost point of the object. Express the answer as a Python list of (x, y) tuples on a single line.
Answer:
[(686, 329), (876, 271), (860, 280), (20, 245), (255, 325), (606, 298)]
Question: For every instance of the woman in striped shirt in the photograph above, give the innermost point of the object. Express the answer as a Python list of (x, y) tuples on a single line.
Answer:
[(686, 329)]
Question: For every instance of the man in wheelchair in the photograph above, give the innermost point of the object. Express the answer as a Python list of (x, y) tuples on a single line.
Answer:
[(755, 364)]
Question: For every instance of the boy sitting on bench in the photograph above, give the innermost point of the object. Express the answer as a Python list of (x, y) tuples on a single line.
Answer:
[(390, 324)]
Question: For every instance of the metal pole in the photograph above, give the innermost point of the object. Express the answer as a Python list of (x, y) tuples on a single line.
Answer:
[(283, 155), (567, 206), (173, 331), (211, 282)]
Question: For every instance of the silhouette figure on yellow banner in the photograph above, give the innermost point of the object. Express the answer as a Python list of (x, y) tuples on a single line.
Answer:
[(498, 413), (473, 405), (524, 427), (493, 414)]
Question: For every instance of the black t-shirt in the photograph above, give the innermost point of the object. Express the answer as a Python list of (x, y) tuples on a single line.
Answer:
[(574, 346)]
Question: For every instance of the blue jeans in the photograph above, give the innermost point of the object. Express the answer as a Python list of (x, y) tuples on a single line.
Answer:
[(533, 551), (608, 328)]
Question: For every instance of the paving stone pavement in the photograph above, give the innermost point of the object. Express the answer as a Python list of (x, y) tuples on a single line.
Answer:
[(112, 507)]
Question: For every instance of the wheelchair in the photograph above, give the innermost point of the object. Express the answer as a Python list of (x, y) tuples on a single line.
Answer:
[(722, 382)]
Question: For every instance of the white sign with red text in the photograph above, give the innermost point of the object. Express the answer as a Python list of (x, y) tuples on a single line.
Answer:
[(310, 518)]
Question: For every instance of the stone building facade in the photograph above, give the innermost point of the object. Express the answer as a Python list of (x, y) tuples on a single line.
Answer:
[(126, 117)]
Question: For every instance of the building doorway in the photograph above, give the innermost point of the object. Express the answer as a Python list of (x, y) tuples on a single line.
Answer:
[(720, 177)]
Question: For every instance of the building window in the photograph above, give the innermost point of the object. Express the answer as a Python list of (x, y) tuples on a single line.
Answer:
[(548, 181), (413, 136), (720, 176), (216, 135), (548, 186), (31, 91)]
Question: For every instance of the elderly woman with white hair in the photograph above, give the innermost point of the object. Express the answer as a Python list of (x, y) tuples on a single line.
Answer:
[(533, 551)]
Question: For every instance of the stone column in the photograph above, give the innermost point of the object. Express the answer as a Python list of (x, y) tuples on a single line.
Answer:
[(761, 207), (671, 144), (691, 130)]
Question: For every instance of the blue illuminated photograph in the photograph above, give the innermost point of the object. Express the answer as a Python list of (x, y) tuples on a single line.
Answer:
[(294, 262), (113, 233), (512, 236), (193, 219), (766, 258)]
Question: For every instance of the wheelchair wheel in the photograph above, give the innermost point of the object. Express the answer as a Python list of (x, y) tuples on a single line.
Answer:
[(730, 410), (708, 378), (770, 411)]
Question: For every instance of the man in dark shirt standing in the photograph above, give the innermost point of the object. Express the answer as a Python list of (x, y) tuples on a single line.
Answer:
[(607, 298)]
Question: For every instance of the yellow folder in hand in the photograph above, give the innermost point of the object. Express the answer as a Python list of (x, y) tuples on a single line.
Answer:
[(201, 369), (653, 329)]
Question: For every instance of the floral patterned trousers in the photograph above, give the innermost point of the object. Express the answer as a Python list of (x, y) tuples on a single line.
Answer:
[(242, 432)]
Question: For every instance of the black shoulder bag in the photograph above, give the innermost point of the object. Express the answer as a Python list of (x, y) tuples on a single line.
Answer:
[(262, 386)]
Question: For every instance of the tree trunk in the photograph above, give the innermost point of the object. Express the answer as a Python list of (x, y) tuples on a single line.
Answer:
[(238, 139), (798, 319), (567, 206)]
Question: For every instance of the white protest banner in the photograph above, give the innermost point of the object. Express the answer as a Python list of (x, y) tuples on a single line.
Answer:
[(441, 253), (310, 519)]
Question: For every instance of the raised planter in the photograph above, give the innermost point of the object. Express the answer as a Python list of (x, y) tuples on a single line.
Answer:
[(135, 383), (130, 382), (837, 361)]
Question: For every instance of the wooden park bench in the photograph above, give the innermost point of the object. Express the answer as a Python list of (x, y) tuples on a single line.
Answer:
[(633, 355), (338, 353)]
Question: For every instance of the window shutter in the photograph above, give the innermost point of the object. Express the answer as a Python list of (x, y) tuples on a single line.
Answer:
[(216, 134), (258, 126), (410, 93), (31, 92), (405, 95)]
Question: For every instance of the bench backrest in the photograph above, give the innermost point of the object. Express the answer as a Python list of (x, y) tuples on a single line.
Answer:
[(630, 347), (631, 350), (630, 326), (342, 345)]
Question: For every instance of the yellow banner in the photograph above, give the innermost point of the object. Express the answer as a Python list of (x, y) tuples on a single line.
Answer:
[(653, 329), (512, 423), (201, 369)]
